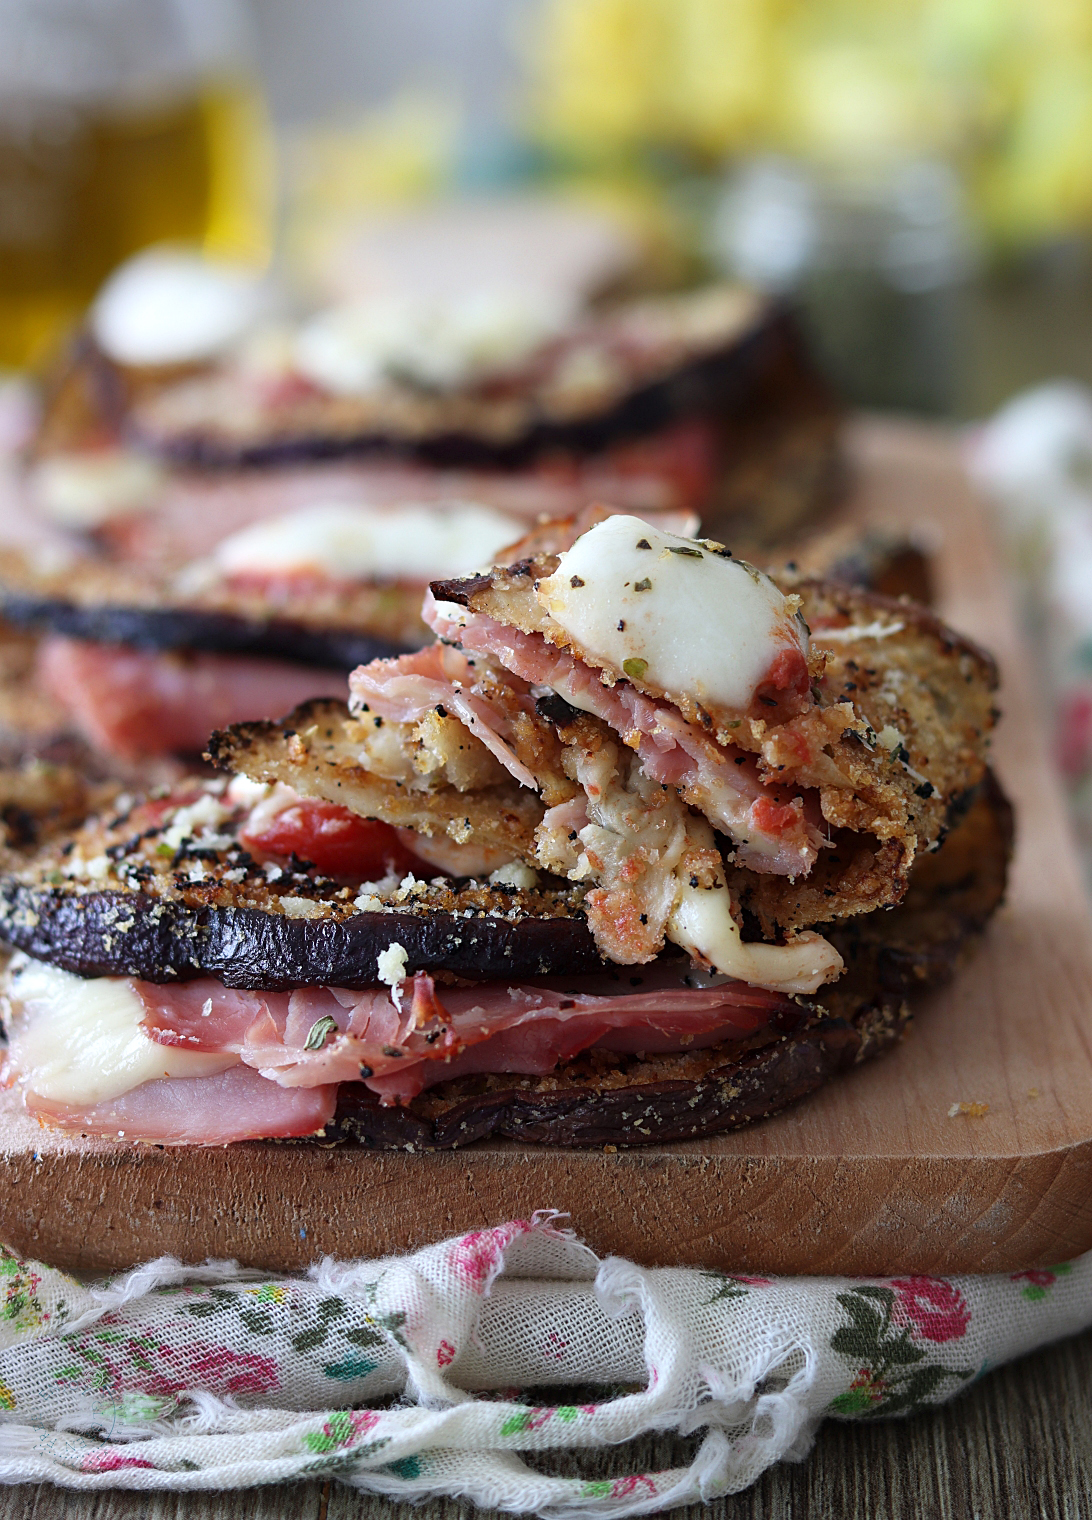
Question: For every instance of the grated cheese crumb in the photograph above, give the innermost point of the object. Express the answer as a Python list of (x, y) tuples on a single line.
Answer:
[(302, 907), (972, 1110), (391, 964)]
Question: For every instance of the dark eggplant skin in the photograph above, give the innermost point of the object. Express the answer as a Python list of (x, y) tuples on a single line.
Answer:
[(170, 628), (133, 934)]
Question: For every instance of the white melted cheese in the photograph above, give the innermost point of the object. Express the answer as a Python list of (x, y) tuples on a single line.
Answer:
[(354, 349), (702, 923), (167, 306), (670, 613), (86, 489), (81, 1042), (357, 543)]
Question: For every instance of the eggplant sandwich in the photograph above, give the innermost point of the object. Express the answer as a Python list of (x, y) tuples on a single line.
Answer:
[(644, 845), (705, 400)]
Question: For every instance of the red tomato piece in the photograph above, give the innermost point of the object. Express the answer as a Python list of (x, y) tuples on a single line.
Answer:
[(788, 673), (775, 818), (338, 842)]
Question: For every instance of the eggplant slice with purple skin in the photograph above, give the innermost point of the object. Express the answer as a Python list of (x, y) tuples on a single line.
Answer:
[(193, 628), (133, 934), (761, 368), (485, 933)]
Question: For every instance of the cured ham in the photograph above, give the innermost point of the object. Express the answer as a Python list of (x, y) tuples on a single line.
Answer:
[(135, 703), (402, 1040), (236, 1104), (283, 1054), (771, 829)]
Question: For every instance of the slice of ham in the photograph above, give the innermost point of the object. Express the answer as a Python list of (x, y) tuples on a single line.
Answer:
[(769, 825), (405, 688), (398, 1041), (236, 1104), (403, 1041), (139, 703)]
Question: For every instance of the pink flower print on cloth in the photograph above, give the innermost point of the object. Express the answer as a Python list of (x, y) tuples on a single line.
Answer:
[(1038, 1281), (479, 1256), (931, 1308)]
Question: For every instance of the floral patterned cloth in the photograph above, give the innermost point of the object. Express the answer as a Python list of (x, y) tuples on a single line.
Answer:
[(431, 1373)]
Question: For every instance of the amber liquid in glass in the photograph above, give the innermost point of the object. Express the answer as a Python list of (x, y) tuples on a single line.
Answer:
[(82, 188)]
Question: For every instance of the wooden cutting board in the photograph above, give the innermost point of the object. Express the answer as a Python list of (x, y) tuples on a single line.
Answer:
[(870, 1175)]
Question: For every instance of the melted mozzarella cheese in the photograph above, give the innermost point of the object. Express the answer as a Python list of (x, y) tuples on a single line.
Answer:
[(86, 489), (81, 1041), (351, 350), (670, 613), (171, 307), (702, 923), (347, 543)]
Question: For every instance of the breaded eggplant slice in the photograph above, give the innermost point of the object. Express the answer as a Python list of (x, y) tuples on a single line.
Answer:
[(432, 776), (630, 1100), (642, 367), (144, 893), (926, 694), (104, 603), (882, 560)]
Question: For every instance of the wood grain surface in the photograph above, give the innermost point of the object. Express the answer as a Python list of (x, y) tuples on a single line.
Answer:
[(870, 1175), (1016, 1446)]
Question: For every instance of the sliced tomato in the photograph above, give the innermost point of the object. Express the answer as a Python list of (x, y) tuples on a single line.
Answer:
[(337, 842)]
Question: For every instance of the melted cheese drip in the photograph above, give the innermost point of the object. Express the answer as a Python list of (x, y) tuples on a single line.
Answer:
[(673, 616), (702, 923), (81, 1042), (347, 543)]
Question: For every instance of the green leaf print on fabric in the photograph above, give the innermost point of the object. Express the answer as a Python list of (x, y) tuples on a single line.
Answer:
[(1038, 1281), (881, 1334), (733, 1285), (323, 1325), (19, 1283), (335, 1442), (541, 1414)]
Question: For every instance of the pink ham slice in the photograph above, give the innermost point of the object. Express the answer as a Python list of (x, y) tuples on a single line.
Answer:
[(401, 1043), (772, 830), (138, 703), (236, 1104)]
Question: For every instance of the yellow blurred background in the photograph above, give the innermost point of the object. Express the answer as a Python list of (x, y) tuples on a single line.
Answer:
[(917, 174)]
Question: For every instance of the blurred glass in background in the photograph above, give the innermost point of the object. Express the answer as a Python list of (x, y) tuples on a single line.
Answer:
[(917, 174), (123, 123)]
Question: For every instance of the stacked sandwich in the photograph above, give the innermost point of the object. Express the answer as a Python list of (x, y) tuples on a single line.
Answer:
[(256, 498), (644, 845)]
